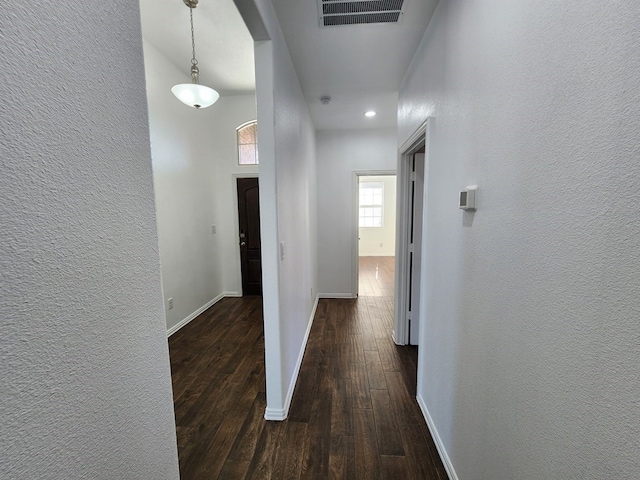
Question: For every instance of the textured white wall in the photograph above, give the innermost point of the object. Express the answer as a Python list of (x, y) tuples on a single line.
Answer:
[(529, 352), (339, 155), (381, 241), (86, 386), (194, 159), (288, 211)]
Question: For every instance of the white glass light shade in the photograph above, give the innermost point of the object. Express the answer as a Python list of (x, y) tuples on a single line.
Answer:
[(195, 95)]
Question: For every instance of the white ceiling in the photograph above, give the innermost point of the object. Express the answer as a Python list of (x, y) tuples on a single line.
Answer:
[(359, 66)]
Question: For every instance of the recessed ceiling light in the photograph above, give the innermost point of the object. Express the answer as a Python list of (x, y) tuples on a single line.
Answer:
[(370, 113)]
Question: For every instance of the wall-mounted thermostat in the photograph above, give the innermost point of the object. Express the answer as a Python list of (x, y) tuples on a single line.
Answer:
[(468, 198)]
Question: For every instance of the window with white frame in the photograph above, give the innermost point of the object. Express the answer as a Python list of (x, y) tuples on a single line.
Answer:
[(371, 204), (247, 139)]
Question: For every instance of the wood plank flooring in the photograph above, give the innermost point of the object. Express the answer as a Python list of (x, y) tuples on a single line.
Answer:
[(353, 414), (376, 276)]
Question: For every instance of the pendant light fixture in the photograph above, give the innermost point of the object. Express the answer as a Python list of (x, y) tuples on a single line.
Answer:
[(194, 94)]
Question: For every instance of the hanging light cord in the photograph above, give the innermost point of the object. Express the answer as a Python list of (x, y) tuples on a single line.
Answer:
[(195, 71), (193, 41)]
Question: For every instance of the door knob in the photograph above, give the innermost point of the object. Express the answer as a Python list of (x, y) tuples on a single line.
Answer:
[(242, 244)]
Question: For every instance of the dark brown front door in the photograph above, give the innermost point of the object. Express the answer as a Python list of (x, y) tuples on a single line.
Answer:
[(249, 222)]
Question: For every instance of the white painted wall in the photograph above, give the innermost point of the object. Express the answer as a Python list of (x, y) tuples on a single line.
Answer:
[(194, 160), (381, 241), (286, 140), (339, 155), (86, 385), (529, 353), (230, 113)]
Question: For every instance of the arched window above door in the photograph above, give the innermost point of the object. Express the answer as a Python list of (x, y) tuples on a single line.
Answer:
[(247, 140)]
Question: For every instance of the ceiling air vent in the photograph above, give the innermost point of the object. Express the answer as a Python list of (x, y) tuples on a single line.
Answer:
[(341, 12)]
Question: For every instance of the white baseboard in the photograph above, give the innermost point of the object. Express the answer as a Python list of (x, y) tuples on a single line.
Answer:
[(448, 466), (279, 414), (275, 414), (207, 305), (337, 295)]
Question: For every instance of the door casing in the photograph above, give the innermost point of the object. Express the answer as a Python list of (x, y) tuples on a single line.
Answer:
[(418, 140)]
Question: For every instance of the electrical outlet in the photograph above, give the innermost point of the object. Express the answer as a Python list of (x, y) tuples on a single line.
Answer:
[(213, 229), (170, 302), (380, 244)]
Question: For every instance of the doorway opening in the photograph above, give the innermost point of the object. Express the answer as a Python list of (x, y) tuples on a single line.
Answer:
[(376, 231), (412, 185)]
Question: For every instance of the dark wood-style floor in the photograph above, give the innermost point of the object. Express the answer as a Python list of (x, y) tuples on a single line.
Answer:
[(376, 278), (353, 414)]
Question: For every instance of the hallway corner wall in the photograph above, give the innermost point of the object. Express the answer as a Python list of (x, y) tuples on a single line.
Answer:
[(528, 362), (86, 383), (288, 211)]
